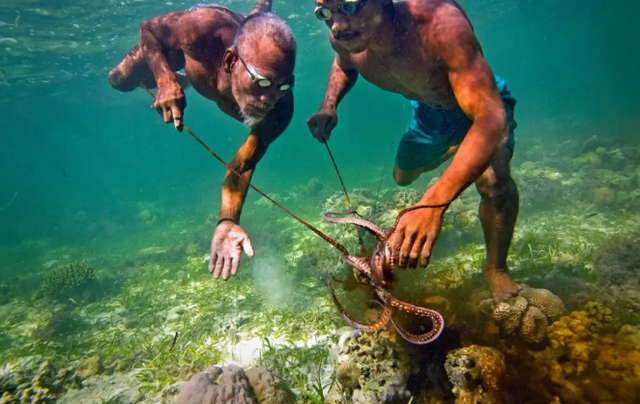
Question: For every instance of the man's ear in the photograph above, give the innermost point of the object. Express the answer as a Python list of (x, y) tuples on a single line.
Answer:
[(229, 60)]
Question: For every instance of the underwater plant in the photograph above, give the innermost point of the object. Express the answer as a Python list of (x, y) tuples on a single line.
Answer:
[(305, 368)]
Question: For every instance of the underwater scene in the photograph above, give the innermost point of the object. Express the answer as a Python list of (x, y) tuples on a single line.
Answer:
[(464, 227)]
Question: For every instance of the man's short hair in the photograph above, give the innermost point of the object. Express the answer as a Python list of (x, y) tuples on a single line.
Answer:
[(260, 25)]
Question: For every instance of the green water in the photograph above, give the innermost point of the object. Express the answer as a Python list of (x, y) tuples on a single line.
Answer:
[(88, 173)]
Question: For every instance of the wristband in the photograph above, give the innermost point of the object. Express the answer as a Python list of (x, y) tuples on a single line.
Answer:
[(226, 219)]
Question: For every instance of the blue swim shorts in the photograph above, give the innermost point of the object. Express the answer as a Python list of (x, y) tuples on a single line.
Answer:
[(433, 131)]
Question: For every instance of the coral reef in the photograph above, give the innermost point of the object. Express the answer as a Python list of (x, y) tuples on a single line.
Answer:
[(167, 321), (359, 197), (267, 387), (74, 280), (589, 359), (477, 374), (370, 370), (348, 375), (232, 385), (41, 386), (526, 315)]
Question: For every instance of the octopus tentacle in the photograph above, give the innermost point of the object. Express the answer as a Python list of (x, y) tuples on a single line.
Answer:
[(377, 325), (360, 264), (373, 268), (418, 339), (435, 317), (377, 264), (365, 224)]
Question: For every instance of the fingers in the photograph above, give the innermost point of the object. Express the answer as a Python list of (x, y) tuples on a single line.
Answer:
[(247, 247), (212, 260), (226, 268), (395, 242), (320, 127), (226, 251), (426, 251), (235, 263), (416, 249), (405, 250), (177, 117), (314, 128), (166, 114), (217, 268), (170, 112)]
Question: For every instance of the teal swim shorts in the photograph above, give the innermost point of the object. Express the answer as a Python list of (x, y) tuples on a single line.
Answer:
[(433, 131)]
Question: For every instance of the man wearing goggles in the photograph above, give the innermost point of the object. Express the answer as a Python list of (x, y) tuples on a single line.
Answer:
[(426, 50), (244, 65)]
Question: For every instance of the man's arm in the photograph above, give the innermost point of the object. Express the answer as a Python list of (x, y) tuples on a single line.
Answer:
[(474, 87), (234, 189), (157, 35), (342, 78), (229, 238), (451, 37)]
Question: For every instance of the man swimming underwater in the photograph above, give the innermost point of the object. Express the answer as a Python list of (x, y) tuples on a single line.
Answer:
[(244, 65), (427, 51)]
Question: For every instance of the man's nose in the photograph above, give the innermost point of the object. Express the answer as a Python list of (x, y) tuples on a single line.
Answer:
[(340, 25), (269, 99)]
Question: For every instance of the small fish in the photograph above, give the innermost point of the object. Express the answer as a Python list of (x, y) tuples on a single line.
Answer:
[(4, 75), (64, 172), (8, 40), (17, 21), (175, 338), (73, 301), (590, 216)]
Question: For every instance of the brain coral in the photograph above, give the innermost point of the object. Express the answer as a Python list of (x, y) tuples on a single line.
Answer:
[(526, 316), (232, 385)]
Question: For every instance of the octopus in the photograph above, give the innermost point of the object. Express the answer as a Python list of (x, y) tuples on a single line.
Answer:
[(374, 271)]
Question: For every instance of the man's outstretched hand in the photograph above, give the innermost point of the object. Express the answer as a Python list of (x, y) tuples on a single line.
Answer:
[(227, 244), (415, 235), (170, 102)]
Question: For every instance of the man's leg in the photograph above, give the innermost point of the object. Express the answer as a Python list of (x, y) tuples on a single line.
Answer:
[(134, 70), (131, 72), (498, 214), (406, 177)]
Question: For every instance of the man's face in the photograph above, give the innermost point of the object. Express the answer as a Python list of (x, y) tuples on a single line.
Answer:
[(352, 23), (261, 75)]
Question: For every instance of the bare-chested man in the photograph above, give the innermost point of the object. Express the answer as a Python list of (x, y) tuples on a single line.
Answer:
[(426, 50), (244, 65)]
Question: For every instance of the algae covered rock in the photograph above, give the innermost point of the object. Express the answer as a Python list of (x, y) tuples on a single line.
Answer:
[(477, 374), (74, 280), (231, 385), (27, 385), (90, 367), (267, 387), (371, 370), (348, 375)]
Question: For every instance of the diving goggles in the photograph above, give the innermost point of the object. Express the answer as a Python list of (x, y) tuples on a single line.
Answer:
[(260, 80), (346, 7)]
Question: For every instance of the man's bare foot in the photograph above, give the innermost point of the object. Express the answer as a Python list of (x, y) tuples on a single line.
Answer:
[(501, 284)]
